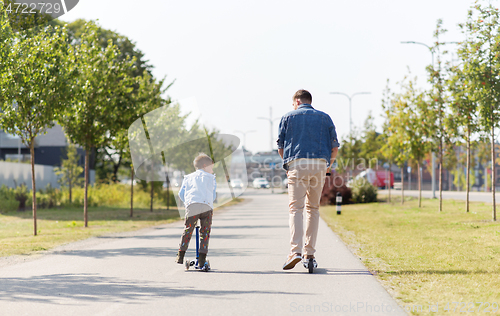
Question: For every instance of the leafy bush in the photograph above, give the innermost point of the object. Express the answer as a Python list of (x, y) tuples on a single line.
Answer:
[(21, 195), (8, 200), (334, 184), (48, 198), (364, 192), (117, 195)]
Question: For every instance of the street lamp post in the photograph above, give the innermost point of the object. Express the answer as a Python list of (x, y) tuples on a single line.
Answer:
[(271, 120), (350, 106), (433, 154), (350, 114), (245, 136)]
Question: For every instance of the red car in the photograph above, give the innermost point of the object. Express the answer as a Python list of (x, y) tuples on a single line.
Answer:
[(377, 178)]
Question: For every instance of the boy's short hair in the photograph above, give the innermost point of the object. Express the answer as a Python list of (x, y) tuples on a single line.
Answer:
[(304, 96), (202, 160)]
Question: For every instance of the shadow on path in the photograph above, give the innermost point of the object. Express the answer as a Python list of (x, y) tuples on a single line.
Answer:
[(317, 271), (147, 252), (120, 252), (92, 288)]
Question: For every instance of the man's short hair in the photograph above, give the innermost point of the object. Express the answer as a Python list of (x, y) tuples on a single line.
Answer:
[(202, 160), (304, 96)]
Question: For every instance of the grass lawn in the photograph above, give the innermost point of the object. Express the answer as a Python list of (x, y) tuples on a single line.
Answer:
[(425, 257), (60, 226)]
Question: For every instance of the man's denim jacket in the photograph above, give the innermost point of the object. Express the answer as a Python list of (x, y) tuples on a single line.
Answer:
[(306, 133)]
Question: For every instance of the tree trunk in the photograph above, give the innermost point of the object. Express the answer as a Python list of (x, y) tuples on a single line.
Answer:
[(493, 183), (468, 172), (450, 182), (116, 166), (152, 194), (168, 191), (409, 181), (33, 186), (69, 185), (85, 199), (389, 178), (419, 185), (458, 170), (485, 177), (132, 193), (402, 186), (441, 174)]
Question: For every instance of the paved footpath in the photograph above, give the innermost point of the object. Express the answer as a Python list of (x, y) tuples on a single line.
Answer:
[(135, 274)]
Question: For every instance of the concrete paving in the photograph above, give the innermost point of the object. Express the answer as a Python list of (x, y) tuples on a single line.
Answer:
[(135, 274)]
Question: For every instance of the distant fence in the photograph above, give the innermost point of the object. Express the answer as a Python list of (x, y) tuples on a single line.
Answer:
[(12, 173)]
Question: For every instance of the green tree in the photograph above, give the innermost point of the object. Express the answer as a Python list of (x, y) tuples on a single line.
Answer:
[(480, 56), (108, 158), (483, 147), (34, 81), (462, 122), (101, 97), (438, 130), (6, 38), (412, 109), (70, 172), (396, 132), (450, 159), (127, 48), (349, 152), (371, 143), (146, 98)]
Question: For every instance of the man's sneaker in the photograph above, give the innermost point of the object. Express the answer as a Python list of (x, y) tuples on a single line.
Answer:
[(291, 261), (305, 262), (180, 257)]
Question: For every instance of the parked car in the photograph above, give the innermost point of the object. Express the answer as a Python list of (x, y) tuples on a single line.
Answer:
[(261, 183), (377, 178), (237, 184)]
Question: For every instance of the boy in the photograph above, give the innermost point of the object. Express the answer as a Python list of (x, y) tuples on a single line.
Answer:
[(198, 194)]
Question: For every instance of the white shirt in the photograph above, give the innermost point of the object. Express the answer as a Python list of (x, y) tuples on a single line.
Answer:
[(198, 187)]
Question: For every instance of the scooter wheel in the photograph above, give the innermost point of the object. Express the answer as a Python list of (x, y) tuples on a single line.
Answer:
[(310, 266), (187, 265)]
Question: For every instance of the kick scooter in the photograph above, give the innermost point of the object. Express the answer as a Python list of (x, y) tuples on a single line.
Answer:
[(309, 266), (188, 263)]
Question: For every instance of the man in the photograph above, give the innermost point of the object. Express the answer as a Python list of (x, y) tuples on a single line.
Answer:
[(308, 145)]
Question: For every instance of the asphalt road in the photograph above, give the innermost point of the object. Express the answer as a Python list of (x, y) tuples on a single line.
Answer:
[(453, 195), (135, 273)]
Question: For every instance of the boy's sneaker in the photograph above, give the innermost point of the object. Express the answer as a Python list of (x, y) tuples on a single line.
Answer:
[(306, 260), (292, 260), (180, 257), (202, 258)]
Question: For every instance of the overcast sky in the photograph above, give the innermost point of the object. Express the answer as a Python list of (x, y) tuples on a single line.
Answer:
[(235, 59)]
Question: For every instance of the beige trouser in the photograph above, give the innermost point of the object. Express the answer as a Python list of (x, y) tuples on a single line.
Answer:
[(305, 184)]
